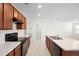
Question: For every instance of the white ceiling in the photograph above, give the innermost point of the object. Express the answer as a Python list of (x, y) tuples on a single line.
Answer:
[(50, 11)]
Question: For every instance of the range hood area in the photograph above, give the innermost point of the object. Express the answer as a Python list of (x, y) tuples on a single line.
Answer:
[(17, 21)]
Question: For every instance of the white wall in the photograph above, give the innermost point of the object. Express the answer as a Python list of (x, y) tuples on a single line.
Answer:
[(49, 27), (21, 33)]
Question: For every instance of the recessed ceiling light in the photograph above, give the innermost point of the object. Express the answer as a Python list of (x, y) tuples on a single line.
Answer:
[(39, 6), (39, 15)]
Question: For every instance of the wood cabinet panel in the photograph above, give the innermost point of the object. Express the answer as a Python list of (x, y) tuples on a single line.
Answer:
[(20, 16), (1, 16), (7, 12), (19, 26), (25, 47), (16, 13), (53, 49), (11, 53), (69, 53), (18, 51), (8, 16), (47, 42), (24, 23)]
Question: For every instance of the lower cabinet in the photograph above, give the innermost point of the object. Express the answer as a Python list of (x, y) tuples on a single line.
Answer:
[(53, 49), (18, 51), (15, 52), (11, 53), (25, 46), (70, 53), (56, 50), (21, 50), (47, 43)]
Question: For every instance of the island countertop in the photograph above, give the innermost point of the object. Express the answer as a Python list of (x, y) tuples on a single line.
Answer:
[(67, 44), (7, 47)]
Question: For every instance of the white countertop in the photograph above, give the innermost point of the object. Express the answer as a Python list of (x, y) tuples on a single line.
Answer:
[(24, 36), (67, 44), (7, 47)]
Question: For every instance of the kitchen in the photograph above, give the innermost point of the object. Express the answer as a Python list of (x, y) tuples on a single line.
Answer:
[(40, 22)]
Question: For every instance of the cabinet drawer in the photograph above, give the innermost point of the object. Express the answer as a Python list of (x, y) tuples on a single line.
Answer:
[(69, 53)]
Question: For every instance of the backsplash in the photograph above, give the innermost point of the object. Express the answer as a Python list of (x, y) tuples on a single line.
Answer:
[(3, 32)]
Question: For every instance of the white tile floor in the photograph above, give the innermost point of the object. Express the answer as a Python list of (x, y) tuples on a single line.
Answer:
[(37, 48)]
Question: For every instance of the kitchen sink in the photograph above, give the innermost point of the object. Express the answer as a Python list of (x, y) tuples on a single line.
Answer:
[(56, 38)]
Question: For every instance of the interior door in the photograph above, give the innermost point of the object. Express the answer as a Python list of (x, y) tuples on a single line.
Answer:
[(38, 32)]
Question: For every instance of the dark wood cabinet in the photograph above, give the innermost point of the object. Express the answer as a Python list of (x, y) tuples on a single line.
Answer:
[(8, 16), (53, 49), (1, 16), (25, 46), (11, 53), (47, 43), (56, 50), (18, 51), (69, 53)]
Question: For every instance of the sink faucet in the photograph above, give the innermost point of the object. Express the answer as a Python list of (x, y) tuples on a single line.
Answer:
[(59, 36)]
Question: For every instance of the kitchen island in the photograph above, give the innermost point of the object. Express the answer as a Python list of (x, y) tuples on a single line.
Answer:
[(62, 47)]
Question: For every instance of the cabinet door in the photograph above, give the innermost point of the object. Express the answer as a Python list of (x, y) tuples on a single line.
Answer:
[(51, 50), (25, 47), (18, 51), (1, 16), (47, 43), (24, 23), (20, 16), (19, 26), (8, 16), (16, 13), (56, 50), (11, 53)]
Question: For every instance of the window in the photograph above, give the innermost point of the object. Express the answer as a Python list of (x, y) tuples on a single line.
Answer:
[(75, 28)]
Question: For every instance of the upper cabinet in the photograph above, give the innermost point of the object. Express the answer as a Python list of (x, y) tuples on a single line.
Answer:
[(24, 23), (8, 16), (1, 16), (23, 20), (20, 16), (16, 13)]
